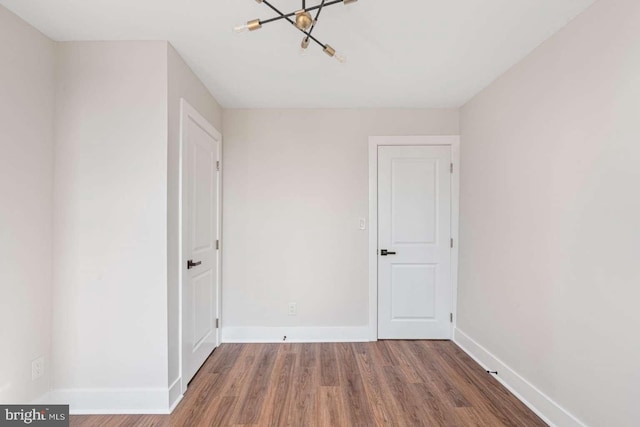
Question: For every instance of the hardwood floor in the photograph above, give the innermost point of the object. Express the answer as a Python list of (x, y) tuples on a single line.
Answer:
[(394, 383)]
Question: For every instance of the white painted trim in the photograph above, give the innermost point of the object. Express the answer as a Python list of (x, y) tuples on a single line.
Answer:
[(373, 240), (220, 238), (175, 394), (186, 110), (294, 334), (455, 229), (175, 404), (374, 143), (545, 407), (112, 401)]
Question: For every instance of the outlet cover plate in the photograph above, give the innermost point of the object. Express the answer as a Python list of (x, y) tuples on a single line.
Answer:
[(37, 368), (293, 309)]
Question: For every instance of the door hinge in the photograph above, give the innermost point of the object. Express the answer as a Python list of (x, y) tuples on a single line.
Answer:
[(217, 323), (452, 243), (451, 167), (451, 317), (217, 244), (218, 165)]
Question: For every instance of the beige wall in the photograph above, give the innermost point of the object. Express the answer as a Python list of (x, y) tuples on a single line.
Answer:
[(26, 163), (550, 216), (110, 250), (182, 83), (295, 184), (116, 288)]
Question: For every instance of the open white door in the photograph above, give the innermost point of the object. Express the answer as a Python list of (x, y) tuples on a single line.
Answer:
[(200, 148), (414, 242)]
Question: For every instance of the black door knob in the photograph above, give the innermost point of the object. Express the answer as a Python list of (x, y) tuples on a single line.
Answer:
[(191, 264)]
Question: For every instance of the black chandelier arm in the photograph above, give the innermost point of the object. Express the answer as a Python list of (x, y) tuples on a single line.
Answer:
[(288, 15), (315, 21), (282, 16), (309, 36)]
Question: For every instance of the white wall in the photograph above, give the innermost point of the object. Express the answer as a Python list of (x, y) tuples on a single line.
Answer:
[(26, 163), (295, 184), (550, 217), (182, 83), (110, 222)]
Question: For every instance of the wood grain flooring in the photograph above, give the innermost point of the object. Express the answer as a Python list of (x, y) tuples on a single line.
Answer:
[(384, 383)]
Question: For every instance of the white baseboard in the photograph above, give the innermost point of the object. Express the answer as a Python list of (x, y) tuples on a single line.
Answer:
[(113, 401), (547, 409), (295, 334), (175, 394)]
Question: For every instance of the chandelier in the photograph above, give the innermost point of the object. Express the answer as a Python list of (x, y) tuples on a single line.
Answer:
[(302, 20)]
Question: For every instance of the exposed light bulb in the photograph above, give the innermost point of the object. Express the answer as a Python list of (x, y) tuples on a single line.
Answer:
[(332, 53), (340, 57), (241, 29), (249, 26), (303, 46)]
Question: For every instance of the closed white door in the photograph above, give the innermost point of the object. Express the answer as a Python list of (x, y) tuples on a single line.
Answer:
[(414, 242), (200, 231)]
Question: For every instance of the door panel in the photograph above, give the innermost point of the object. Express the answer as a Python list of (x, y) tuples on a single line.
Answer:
[(200, 210), (203, 312), (414, 221), (413, 291), (204, 165), (413, 216)]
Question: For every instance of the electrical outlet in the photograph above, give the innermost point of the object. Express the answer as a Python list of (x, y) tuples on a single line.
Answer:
[(37, 368), (293, 309)]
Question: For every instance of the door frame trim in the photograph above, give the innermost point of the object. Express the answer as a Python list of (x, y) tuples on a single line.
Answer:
[(374, 142), (186, 111)]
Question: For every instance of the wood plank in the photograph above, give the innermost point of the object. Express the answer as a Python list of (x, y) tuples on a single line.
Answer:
[(433, 374), (227, 386), (488, 396), (309, 355), (376, 388), (331, 410), (303, 409), (384, 355), (354, 394), (404, 360), (222, 416), (471, 417), (439, 410), (201, 394), (225, 358), (250, 404), (411, 411), (279, 398), (328, 366)]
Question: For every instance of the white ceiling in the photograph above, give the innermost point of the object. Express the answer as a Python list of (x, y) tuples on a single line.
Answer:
[(410, 53)]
